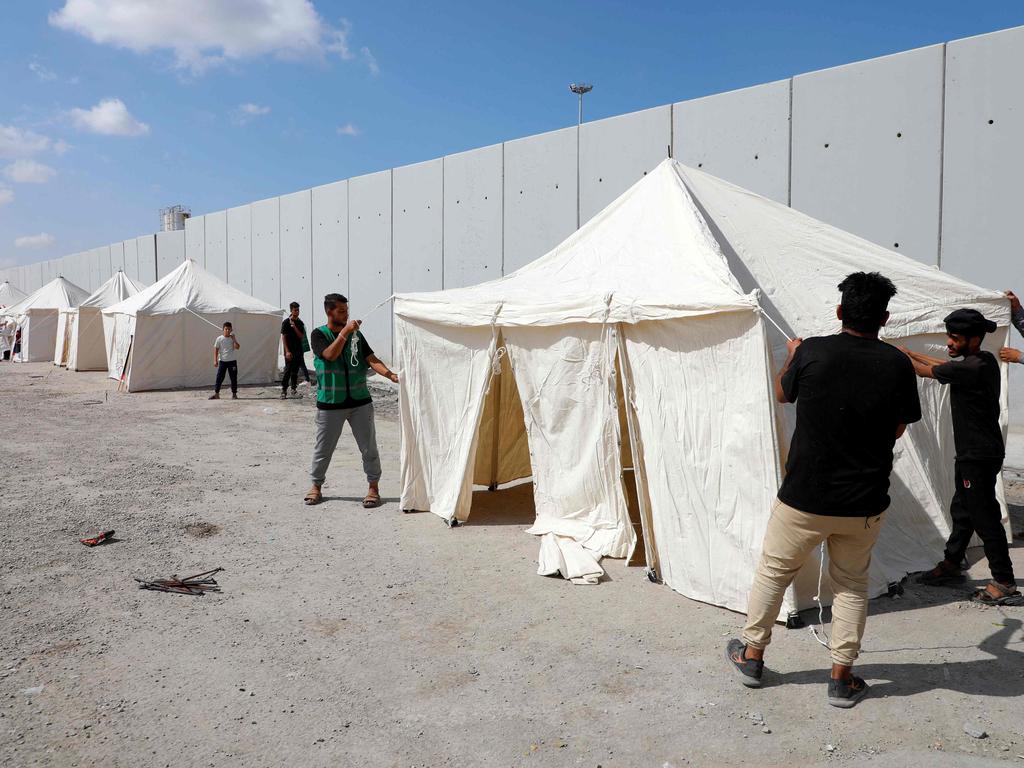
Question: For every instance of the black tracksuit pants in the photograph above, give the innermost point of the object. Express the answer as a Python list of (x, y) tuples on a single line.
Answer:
[(974, 509)]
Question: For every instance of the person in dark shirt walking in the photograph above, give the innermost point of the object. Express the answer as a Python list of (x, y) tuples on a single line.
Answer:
[(854, 396), (293, 337), (342, 356), (974, 384)]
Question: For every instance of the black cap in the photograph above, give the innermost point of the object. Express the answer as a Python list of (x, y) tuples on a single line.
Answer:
[(968, 322)]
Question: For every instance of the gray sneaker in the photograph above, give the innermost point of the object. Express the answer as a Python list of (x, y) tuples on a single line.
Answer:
[(749, 670), (846, 693)]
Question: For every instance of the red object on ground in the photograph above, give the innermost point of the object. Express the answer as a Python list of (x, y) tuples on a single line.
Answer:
[(97, 540)]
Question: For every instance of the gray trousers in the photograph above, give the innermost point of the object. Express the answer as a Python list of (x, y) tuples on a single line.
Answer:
[(328, 429)]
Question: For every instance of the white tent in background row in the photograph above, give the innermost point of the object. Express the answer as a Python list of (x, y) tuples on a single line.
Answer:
[(80, 345), (37, 315), (162, 337), (646, 328), (9, 295)]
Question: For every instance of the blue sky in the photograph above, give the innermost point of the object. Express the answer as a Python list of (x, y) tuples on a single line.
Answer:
[(111, 109)]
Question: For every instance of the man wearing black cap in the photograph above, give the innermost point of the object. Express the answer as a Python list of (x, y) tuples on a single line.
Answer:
[(974, 403)]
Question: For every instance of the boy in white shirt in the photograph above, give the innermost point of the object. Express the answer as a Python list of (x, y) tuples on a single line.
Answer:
[(225, 362)]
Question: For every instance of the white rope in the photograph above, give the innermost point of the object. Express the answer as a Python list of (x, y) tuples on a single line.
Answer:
[(827, 642), (772, 321), (499, 352), (218, 327)]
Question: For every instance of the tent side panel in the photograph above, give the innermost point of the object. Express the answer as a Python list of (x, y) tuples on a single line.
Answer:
[(445, 372), (711, 509), (565, 376), (88, 339)]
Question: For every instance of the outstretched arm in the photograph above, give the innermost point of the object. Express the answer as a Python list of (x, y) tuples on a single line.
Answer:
[(791, 345), (378, 365), (923, 364)]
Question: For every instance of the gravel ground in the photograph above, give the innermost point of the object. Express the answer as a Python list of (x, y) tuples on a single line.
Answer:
[(352, 637)]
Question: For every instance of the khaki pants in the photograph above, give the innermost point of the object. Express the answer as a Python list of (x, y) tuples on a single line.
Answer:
[(789, 541)]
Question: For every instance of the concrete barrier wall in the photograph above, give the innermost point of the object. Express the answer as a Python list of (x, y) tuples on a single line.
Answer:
[(918, 152)]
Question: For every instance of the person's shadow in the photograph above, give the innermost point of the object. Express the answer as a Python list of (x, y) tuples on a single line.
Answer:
[(1000, 675)]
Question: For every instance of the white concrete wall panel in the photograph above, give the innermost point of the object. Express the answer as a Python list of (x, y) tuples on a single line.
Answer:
[(216, 244), (131, 258), (147, 258), (99, 267), (418, 211), (330, 246), (369, 260), (540, 195), (983, 165), (472, 216), (266, 250), (297, 250), (867, 147), (617, 152), (740, 136), (116, 257), (170, 251), (195, 239), (239, 249)]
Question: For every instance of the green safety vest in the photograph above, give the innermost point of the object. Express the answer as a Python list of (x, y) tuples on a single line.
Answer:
[(337, 380)]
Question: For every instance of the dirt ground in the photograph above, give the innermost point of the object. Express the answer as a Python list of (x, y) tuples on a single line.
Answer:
[(352, 637)]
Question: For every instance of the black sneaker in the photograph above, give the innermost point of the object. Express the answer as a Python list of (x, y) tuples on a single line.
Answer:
[(749, 670), (284, 395), (234, 395), (846, 693), (214, 396), (942, 574)]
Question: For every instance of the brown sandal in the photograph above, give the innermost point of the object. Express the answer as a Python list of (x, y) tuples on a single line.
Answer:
[(995, 593), (313, 496), (371, 500)]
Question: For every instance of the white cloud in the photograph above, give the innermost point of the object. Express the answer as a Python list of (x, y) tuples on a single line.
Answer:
[(6, 196), (246, 112), (29, 172), (110, 117), (348, 129), (41, 71), (60, 147), (18, 142), (371, 61), (42, 240), (203, 34)]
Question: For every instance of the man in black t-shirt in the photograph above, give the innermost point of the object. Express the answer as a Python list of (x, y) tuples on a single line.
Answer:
[(293, 332), (854, 396), (974, 384)]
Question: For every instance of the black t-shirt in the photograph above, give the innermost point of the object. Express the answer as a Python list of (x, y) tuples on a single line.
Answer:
[(318, 343), (851, 393), (974, 402), (292, 340)]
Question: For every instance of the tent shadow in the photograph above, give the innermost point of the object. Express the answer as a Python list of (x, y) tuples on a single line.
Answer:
[(996, 676), (505, 506)]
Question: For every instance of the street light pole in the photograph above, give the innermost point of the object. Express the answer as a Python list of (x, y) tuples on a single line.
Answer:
[(579, 89)]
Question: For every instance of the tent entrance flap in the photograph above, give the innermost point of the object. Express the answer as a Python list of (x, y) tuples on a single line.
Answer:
[(502, 453)]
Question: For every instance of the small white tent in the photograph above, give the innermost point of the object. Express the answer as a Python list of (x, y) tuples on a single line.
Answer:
[(37, 315), (80, 345), (8, 325), (646, 328), (162, 337), (9, 295)]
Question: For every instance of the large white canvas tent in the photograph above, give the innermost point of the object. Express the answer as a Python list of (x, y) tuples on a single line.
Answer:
[(37, 315), (647, 328), (162, 337), (80, 345)]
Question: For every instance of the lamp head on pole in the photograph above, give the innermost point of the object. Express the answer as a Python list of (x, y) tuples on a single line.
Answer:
[(580, 88)]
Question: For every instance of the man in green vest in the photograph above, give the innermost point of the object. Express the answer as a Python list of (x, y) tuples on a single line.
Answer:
[(342, 356)]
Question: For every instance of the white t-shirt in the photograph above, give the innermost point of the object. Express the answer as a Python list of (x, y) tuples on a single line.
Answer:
[(226, 345)]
